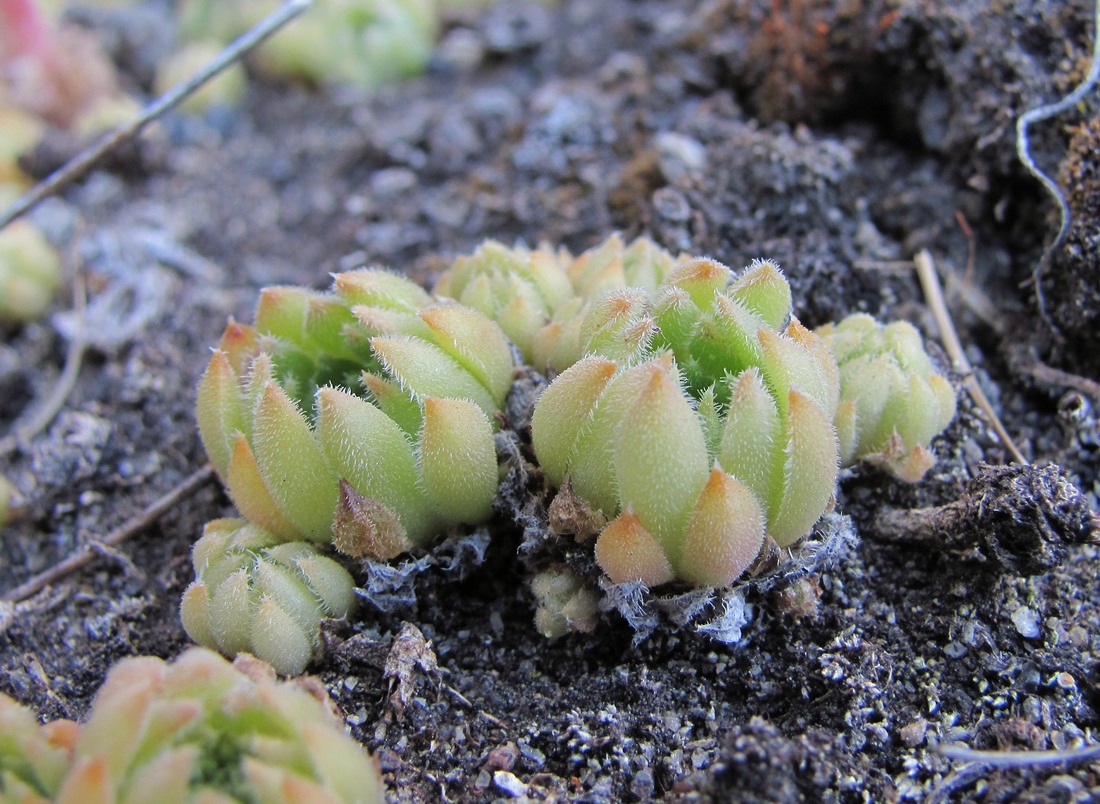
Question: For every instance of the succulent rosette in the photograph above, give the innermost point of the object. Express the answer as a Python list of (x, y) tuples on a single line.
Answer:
[(367, 44), (722, 438), (565, 603), (363, 415), (542, 299), (34, 758), (256, 593), (893, 402), (203, 730)]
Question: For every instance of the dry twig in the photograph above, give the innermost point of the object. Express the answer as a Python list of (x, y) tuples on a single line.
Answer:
[(1019, 759), (85, 160), (1023, 152), (135, 525), (933, 294)]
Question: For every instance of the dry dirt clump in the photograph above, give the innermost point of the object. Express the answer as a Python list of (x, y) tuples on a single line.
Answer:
[(964, 613)]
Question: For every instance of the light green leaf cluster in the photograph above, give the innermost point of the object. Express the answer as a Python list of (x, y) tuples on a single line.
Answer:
[(30, 271), (893, 403), (365, 43), (196, 730), (307, 458), (257, 593), (550, 303), (33, 758), (721, 437), (565, 603)]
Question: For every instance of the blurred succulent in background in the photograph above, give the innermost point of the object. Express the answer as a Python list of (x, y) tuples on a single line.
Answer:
[(725, 435), (256, 593), (33, 758), (203, 730), (226, 89), (365, 43), (306, 458), (30, 272), (7, 500), (893, 403), (543, 299), (56, 72)]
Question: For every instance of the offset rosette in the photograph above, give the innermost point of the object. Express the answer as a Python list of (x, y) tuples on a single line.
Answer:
[(565, 603), (203, 730), (543, 299), (519, 289), (893, 403), (307, 458), (34, 758), (692, 482), (255, 593)]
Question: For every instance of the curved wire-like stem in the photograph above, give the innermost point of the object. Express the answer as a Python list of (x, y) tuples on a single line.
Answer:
[(1023, 152)]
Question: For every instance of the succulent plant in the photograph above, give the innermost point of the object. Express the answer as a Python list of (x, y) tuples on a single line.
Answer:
[(893, 403), (203, 730), (30, 271), (565, 603), (57, 72), (226, 89), (33, 758), (366, 43), (255, 592), (721, 437), (542, 298), (306, 458)]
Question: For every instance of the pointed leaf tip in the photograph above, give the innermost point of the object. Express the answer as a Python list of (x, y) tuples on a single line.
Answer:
[(626, 551), (725, 533)]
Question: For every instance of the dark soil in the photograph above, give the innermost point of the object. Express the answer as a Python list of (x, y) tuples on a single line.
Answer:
[(837, 142)]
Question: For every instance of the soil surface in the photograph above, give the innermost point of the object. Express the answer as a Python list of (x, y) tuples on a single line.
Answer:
[(836, 139)]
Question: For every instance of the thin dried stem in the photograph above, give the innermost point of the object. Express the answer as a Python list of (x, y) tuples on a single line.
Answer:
[(85, 160), (933, 293), (1048, 375), (88, 552), (1023, 152), (1019, 759)]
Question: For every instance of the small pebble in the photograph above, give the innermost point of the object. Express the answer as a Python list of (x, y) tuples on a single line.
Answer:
[(503, 757), (672, 205), (1026, 622), (509, 783), (954, 650), (913, 734)]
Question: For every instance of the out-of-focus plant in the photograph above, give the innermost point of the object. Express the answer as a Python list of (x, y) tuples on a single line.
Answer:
[(281, 414), (227, 89), (366, 43), (893, 403), (256, 593), (695, 454), (7, 498), (33, 758), (30, 271), (57, 72), (203, 730)]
